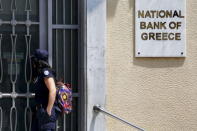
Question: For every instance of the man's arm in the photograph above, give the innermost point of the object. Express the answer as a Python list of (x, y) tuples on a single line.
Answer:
[(50, 84)]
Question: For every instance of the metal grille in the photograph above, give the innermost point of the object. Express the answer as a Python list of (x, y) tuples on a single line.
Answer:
[(19, 36), (17, 21)]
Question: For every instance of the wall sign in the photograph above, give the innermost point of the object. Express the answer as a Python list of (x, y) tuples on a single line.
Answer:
[(160, 28)]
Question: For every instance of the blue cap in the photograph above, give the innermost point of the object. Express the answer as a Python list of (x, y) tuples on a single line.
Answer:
[(41, 54)]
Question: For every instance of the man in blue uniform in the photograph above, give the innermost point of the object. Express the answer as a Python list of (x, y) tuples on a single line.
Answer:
[(46, 114)]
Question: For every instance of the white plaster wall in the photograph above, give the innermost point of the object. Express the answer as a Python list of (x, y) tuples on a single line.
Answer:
[(158, 94), (96, 32)]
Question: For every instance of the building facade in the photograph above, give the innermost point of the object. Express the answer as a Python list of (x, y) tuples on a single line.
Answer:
[(157, 94), (91, 44)]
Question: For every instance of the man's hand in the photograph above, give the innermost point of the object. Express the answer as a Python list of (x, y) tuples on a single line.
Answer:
[(48, 111)]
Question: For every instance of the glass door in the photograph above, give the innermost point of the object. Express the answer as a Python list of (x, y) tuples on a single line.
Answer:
[(19, 27), (24, 26)]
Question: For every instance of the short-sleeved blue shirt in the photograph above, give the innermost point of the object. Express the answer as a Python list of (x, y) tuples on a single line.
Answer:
[(41, 91)]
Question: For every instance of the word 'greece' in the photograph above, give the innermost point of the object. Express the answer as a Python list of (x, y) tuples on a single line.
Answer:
[(160, 14)]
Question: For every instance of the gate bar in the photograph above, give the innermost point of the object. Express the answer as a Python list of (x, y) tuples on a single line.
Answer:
[(98, 108), (24, 95)]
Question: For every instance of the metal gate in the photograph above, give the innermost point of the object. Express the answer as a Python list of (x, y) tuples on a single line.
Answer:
[(24, 26)]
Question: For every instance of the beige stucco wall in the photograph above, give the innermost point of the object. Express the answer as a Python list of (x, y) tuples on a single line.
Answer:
[(158, 94)]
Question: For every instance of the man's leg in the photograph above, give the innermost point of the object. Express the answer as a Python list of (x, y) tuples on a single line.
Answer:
[(34, 124)]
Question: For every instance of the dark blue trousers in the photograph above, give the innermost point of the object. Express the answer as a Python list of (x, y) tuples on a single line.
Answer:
[(41, 121)]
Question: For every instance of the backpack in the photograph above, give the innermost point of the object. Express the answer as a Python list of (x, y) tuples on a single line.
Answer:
[(64, 98)]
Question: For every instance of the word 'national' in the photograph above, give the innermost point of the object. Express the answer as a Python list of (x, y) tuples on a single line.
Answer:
[(160, 14)]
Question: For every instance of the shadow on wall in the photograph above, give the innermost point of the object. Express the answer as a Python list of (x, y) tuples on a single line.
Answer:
[(93, 5), (158, 62), (112, 5), (93, 121)]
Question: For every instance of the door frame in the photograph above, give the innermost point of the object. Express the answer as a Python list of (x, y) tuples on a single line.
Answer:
[(82, 54), (83, 67)]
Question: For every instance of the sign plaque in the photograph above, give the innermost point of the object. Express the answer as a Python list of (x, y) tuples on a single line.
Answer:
[(160, 28)]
